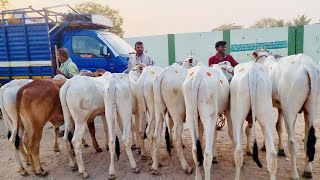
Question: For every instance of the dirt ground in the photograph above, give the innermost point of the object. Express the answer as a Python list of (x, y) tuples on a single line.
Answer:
[(97, 164)]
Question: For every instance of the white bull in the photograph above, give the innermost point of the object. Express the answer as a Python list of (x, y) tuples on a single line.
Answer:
[(206, 94), (8, 105), (295, 81), (82, 100), (118, 109), (145, 97), (169, 99), (251, 90)]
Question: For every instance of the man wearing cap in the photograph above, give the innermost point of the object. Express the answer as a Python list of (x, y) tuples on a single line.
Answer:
[(221, 56)]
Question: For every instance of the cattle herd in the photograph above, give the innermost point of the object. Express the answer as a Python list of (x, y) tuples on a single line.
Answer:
[(135, 106)]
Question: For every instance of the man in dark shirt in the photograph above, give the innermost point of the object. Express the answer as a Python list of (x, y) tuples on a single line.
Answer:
[(221, 56)]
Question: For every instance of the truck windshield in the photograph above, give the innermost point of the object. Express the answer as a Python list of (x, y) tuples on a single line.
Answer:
[(121, 46)]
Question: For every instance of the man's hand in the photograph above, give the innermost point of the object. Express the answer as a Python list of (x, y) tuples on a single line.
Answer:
[(59, 71)]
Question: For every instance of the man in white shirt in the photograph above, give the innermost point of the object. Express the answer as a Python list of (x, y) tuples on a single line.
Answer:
[(139, 57)]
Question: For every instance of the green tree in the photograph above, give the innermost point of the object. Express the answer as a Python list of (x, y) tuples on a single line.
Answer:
[(227, 27), (3, 4), (270, 22), (105, 10), (301, 20)]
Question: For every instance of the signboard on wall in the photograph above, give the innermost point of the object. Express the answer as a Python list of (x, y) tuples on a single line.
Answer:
[(243, 42)]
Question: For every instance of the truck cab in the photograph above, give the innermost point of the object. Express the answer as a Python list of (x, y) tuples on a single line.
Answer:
[(28, 44), (92, 50)]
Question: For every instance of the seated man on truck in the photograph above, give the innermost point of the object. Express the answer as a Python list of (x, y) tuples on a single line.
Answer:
[(67, 68), (139, 57)]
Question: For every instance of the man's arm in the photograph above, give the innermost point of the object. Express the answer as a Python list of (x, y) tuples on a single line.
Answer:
[(232, 61), (210, 61), (130, 63), (72, 70)]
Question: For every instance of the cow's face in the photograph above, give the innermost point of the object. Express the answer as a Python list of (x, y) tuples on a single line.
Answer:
[(260, 53)]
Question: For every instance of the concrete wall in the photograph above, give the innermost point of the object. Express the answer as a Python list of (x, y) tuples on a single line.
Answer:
[(166, 49)]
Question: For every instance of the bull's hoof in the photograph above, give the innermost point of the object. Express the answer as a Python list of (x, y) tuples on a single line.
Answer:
[(107, 147), (139, 151), (248, 153), (74, 168), (86, 145), (27, 163), (85, 175), (307, 175), (23, 172), (214, 160), (281, 153), (136, 170), (42, 173), (134, 147), (112, 176), (56, 150), (144, 158), (183, 146), (188, 170), (263, 148), (99, 150), (155, 172)]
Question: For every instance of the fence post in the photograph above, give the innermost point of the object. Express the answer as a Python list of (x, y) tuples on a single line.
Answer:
[(299, 39), (226, 37), (171, 49)]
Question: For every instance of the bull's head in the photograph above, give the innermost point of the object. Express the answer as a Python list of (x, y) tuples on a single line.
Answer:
[(227, 69), (99, 72), (139, 67), (257, 54)]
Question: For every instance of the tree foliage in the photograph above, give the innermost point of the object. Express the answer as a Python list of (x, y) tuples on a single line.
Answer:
[(105, 10), (227, 27), (301, 20)]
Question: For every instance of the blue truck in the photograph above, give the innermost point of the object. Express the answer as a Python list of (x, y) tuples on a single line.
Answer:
[(29, 39)]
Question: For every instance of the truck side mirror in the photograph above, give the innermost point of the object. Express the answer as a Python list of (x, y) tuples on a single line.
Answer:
[(104, 51)]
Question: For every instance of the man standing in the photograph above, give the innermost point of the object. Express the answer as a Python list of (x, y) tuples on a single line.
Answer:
[(139, 57), (67, 68), (221, 56)]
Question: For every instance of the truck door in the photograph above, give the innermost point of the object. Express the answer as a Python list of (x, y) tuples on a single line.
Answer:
[(86, 54)]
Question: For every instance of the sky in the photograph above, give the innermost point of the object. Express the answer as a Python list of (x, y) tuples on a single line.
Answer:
[(156, 17)]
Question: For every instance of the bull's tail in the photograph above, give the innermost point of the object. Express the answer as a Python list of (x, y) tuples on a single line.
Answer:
[(194, 101), (252, 92), (18, 123), (159, 104), (313, 77), (66, 112), (113, 103)]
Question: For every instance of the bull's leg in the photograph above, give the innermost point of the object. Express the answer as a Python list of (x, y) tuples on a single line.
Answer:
[(267, 125), (56, 134), (230, 130), (237, 122), (292, 144), (23, 153), (126, 118), (76, 141), (280, 131), (248, 134), (178, 144), (209, 127), (136, 129), (92, 130), (157, 137), (25, 141), (170, 123), (194, 148), (34, 146), (67, 139), (214, 147), (134, 146), (12, 141), (105, 128), (142, 132), (308, 166)]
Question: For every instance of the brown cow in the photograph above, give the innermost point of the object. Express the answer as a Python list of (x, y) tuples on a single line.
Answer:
[(37, 103)]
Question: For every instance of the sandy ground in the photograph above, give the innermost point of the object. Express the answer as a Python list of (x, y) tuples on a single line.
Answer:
[(97, 164)]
